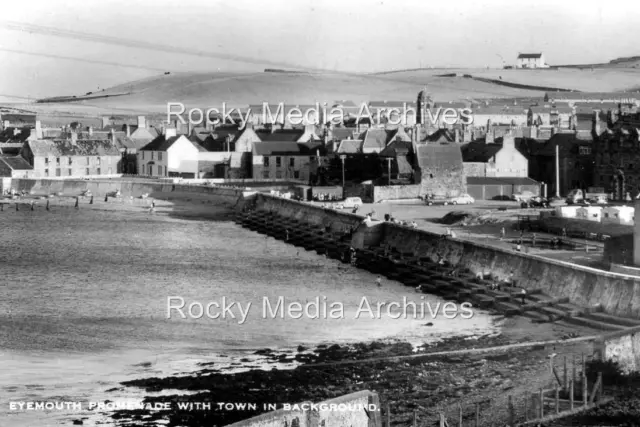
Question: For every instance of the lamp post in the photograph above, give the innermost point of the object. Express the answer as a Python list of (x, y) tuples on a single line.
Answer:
[(343, 157), (389, 170)]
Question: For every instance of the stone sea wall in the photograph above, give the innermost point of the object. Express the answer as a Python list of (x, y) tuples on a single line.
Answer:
[(45, 187), (360, 409), (622, 347), (617, 294)]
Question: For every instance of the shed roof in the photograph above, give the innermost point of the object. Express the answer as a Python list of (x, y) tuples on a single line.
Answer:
[(16, 163)]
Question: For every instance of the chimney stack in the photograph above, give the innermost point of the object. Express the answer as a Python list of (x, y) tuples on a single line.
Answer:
[(112, 134), (90, 129), (170, 133), (142, 122), (105, 122), (38, 129), (127, 130), (456, 135), (596, 122), (6, 124)]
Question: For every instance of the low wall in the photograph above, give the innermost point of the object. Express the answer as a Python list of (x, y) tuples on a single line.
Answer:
[(336, 220), (46, 187), (622, 347), (361, 409), (395, 192)]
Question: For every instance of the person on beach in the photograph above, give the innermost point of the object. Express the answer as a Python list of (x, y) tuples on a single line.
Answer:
[(523, 295), (379, 280), (355, 209)]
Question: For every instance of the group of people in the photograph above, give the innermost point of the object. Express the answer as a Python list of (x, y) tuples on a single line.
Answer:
[(389, 218), (321, 197)]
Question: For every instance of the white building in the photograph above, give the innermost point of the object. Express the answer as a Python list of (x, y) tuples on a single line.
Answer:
[(618, 215), (531, 60), (169, 155), (566, 211), (589, 213)]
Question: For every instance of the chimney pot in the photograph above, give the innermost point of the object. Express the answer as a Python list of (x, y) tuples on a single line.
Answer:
[(127, 130), (142, 122)]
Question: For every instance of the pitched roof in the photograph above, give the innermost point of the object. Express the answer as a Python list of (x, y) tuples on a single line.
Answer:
[(57, 148), (285, 148), (529, 55), (350, 146), (397, 148), (479, 151), (291, 135), (16, 163), (9, 134), (163, 144), (441, 135), (338, 134), (500, 109), (567, 141)]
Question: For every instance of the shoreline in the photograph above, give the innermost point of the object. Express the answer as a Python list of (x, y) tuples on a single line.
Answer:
[(192, 207)]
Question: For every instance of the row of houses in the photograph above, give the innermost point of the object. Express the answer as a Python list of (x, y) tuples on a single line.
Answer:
[(624, 215)]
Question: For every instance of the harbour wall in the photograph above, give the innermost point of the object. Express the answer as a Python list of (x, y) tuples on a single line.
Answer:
[(135, 189), (617, 294), (360, 412), (622, 347)]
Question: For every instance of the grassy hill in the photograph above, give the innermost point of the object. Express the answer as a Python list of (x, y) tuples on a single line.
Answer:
[(205, 90)]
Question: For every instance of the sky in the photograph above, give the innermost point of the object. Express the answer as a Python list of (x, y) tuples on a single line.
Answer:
[(339, 35)]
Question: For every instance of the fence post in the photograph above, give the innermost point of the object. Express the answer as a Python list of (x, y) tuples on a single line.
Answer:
[(511, 411), (541, 403), (388, 415), (585, 391), (584, 365), (571, 395), (564, 386), (415, 418), (600, 380), (557, 400), (575, 372)]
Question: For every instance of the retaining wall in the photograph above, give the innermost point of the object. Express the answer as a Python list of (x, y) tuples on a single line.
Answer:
[(46, 187), (618, 294), (361, 414), (396, 192), (622, 347)]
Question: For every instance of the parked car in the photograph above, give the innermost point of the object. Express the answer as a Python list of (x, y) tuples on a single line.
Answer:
[(436, 200), (522, 196), (535, 202), (463, 199), (352, 202)]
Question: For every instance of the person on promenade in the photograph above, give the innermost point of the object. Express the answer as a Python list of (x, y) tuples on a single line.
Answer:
[(533, 240), (503, 233), (523, 295), (379, 280)]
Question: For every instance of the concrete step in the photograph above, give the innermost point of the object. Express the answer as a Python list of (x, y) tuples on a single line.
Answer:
[(582, 321), (610, 319), (508, 308)]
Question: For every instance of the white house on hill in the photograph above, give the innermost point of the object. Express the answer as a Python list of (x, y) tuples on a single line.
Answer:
[(169, 155), (531, 60)]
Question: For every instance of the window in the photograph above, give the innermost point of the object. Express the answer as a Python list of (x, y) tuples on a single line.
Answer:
[(58, 161), (70, 172), (159, 170), (265, 174), (630, 166), (292, 161), (616, 215), (143, 155), (70, 161), (98, 171), (278, 174), (98, 159), (585, 151), (152, 155), (278, 162), (265, 161), (606, 214), (296, 174), (58, 172), (312, 158), (88, 171), (88, 161), (160, 155), (46, 160), (46, 172)]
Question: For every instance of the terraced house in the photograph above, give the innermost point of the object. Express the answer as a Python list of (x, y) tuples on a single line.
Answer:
[(71, 157)]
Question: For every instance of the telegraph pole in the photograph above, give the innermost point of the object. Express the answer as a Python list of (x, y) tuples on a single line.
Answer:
[(558, 171), (343, 157), (389, 169)]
